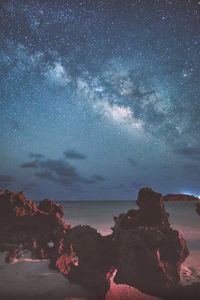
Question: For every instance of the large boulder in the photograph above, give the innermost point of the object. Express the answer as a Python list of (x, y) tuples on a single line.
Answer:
[(95, 257), (23, 226), (150, 252)]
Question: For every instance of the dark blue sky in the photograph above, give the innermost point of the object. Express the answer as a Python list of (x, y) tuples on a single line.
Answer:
[(100, 98)]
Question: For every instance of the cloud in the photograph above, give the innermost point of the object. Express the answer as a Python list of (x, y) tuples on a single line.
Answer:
[(137, 185), (133, 162), (58, 75), (99, 177), (29, 186), (95, 178), (61, 171), (6, 179), (74, 155), (192, 169), (192, 152), (36, 155), (46, 174), (29, 165)]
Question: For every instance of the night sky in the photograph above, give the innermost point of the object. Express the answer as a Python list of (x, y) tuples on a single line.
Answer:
[(99, 98)]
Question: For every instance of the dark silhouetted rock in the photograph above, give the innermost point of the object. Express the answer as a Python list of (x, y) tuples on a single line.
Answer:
[(150, 252), (198, 208), (15, 204), (96, 257), (146, 252), (50, 207), (22, 223), (180, 197)]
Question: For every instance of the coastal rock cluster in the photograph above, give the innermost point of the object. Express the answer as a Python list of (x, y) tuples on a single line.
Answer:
[(24, 226), (150, 252), (143, 251), (180, 197)]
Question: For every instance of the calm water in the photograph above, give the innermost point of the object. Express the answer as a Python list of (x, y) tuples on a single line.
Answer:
[(99, 214)]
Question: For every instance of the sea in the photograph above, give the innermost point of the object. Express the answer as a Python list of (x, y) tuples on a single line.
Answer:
[(32, 279)]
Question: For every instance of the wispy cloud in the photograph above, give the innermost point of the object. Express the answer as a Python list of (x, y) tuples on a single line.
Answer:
[(71, 154), (30, 165), (6, 179), (60, 170)]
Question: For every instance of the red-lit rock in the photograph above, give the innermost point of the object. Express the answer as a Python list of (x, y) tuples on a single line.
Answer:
[(144, 249), (50, 207), (15, 204)]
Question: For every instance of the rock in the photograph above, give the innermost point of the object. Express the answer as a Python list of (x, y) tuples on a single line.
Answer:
[(150, 252), (50, 207), (146, 252), (198, 208), (15, 204), (180, 197), (188, 292), (22, 223), (96, 258)]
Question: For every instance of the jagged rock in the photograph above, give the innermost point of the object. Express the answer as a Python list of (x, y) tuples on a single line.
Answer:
[(198, 208), (15, 204), (50, 207), (96, 257), (144, 249), (150, 252), (180, 197), (22, 223)]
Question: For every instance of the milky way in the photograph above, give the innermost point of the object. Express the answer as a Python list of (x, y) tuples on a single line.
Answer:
[(100, 98)]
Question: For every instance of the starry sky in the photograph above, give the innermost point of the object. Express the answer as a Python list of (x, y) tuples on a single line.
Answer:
[(99, 98)]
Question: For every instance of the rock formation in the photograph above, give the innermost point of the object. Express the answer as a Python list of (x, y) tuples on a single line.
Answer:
[(143, 250), (150, 252), (180, 197), (198, 208)]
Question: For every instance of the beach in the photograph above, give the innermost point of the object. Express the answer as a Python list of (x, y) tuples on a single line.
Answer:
[(33, 278)]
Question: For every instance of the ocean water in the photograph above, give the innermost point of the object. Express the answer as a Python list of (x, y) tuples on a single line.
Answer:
[(183, 217)]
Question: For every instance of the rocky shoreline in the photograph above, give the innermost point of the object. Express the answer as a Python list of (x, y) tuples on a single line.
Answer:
[(143, 251), (179, 197)]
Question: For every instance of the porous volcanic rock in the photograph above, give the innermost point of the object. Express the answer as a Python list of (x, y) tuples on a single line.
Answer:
[(23, 226), (81, 253), (150, 252), (146, 252), (15, 204), (96, 255), (51, 208)]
